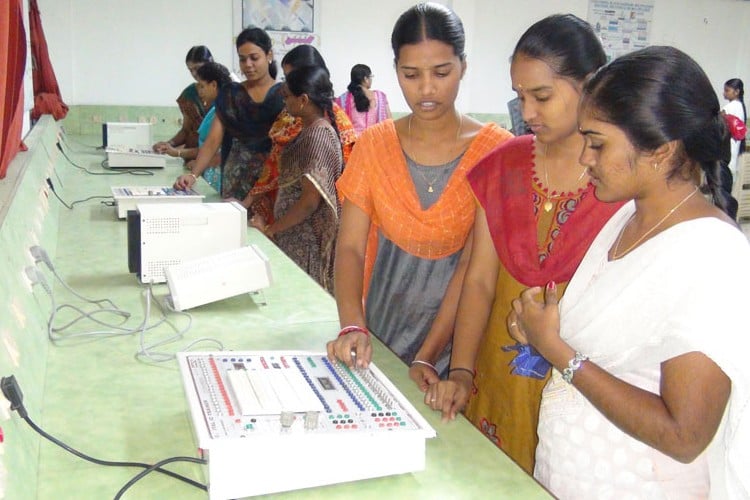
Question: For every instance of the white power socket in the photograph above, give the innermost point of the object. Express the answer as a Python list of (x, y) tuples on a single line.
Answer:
[(4, 411), (11, 348), (27, 284), (17, 310)]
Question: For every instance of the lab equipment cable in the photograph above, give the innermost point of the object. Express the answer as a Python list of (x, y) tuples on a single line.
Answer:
[(104, 164), (146, 351), (12, 392), (71, 206)]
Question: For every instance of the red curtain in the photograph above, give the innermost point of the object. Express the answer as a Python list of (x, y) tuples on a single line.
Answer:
[(12, 64), (47, 97)]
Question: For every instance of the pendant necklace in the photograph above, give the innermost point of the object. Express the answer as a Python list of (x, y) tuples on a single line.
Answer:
[(427, 181), (548, 205), (616, 250)]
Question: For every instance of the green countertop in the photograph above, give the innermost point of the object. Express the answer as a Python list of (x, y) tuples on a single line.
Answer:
[(100, 399)]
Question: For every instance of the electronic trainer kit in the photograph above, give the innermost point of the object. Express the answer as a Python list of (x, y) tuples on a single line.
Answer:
[(127, 197), (271, 421)]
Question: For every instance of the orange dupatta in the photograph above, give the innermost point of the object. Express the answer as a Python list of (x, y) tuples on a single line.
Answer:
[(377, 180)]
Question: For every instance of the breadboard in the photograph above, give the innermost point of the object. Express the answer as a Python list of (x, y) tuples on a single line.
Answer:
[(280, 420)]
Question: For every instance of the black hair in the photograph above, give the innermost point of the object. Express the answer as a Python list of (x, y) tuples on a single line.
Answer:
[(657, 95), (198, 54), (214, 72), (304, 55), (429, 21), (258, 37), (315, 82), (736, 84), (358, 74), (566, 43)]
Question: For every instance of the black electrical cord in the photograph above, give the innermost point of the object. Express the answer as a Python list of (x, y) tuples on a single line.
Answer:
[(148, 467), (154, 467), (110, 171), (12, 392), (76, 202), (52, 188)]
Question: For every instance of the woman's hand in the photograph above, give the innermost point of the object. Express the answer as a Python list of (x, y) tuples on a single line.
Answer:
[(172, 151), (185, 182), (353, 349), (450, 396), (534, 321), (161, 147), (423, 375), (258, 222)]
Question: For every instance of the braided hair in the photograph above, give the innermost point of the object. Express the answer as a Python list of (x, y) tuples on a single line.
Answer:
[(315, 82), (660, 94), (358, 74), (736, 84)]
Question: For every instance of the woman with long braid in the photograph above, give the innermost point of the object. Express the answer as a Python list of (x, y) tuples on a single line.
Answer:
[(306, 211)]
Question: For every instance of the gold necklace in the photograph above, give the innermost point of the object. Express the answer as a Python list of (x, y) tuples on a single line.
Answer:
[(548, 198), (616, 250), (429, 183)]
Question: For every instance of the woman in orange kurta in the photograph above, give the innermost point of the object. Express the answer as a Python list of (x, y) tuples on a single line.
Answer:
[(407, 209), (537, 216)]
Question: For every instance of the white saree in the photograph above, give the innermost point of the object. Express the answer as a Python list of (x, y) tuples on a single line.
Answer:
[(684, 290)]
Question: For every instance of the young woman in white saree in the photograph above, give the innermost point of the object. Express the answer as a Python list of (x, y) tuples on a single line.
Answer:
[(650, 395)]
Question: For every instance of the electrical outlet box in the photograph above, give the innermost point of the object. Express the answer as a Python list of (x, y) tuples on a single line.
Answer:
[(11, 347), (4, 412)]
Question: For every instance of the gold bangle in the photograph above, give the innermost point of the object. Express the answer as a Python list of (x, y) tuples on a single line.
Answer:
[(195, 177), (179, 153)]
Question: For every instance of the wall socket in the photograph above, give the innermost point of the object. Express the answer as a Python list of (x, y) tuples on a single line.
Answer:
[(11, 348)]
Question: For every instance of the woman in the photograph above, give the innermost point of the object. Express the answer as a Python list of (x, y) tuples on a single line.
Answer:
[(365, 107), (734, 92), (210, 79), (648, 335), (191, 106), (306, 212), (245, 112), (286, 127), (405, 232), (537, 216)]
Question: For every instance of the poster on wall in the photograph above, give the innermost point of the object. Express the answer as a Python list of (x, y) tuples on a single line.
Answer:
[(622, 26), (283, 42), (288, 22), (279, 15)]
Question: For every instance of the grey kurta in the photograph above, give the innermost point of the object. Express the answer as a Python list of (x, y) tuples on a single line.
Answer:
[(406, 291)]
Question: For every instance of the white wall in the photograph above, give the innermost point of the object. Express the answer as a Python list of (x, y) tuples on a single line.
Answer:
[(131, 52)]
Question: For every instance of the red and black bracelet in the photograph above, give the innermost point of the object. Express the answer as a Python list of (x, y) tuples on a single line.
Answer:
[(353, 328)]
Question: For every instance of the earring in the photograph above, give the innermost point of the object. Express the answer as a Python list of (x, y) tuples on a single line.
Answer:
[(656, 167), (301, 106)]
